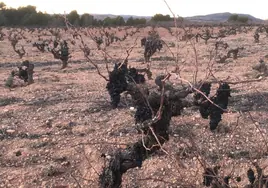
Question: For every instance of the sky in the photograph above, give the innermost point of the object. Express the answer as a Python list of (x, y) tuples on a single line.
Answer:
[(257, 8)]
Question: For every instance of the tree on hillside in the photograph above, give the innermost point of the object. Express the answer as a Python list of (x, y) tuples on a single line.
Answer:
[(161, 17), (20, 16), (56, 20), (28, 16), (86, 20), (2, 5), (3, 19), (243, 19), (108, 21), (130, 21), (38, 19), (237, 18), (233, 18), (139, 21), (97, 22), (73, 17), (119, 20), (136, 21)]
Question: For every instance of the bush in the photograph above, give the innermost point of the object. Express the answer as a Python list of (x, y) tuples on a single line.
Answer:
[(237, 18), (161, 17), (242, 19), (233, 18), (137, 21)]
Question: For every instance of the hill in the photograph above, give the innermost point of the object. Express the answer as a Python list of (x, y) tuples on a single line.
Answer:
[(219, 17), (103, 16)]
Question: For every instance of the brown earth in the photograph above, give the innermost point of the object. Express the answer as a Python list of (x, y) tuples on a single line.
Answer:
[(53, 132)]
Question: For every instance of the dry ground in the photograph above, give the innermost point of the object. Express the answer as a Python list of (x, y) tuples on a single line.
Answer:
[(53, 132)]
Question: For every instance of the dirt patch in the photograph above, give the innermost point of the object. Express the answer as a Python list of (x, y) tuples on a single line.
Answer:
[(54, 131)]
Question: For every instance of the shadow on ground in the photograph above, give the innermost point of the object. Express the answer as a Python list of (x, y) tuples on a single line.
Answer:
[(58, 63), (9, 101), (251, 101), (46, 63)]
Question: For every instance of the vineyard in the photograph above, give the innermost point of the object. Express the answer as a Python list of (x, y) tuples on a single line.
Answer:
[(134, 107)]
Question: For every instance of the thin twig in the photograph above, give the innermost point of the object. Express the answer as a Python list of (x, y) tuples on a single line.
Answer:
[(90, 60), (176, 31), (129, 50), (158, 141), (263, 137), (197, 90), (159, 112), (77, 182), (88, 161)]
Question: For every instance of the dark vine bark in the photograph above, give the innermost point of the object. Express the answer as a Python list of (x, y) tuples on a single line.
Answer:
[(151, 45), (119, 79), (211, 178), (204, 88), (207, 109), (117, 84), (135, 154), (25, 72)]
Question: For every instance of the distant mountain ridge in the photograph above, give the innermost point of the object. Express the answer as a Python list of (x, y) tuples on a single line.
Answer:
[(217, 17), (103, 16), (220, 17)]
